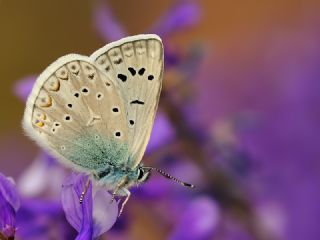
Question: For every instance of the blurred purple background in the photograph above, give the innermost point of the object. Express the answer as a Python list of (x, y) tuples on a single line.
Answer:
[(239, 117)]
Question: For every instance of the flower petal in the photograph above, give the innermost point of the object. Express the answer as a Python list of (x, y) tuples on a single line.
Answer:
[(23, 87), (184, 14), (7, 217), (70, 202), (162, 133), (33, 181), (95, 215), (105, 214), (9, 192), (86, 207), (38, 218), (106, 25), (198, 222)]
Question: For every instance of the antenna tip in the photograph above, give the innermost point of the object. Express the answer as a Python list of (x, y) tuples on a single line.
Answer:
[(189, 185)]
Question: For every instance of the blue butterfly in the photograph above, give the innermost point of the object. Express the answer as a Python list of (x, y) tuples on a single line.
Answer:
[(95, 114)]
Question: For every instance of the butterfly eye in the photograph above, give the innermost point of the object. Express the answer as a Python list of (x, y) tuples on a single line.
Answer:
[(143, 175), (140, 174)]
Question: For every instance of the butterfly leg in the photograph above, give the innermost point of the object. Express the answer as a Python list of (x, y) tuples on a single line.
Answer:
[(122, 183), (84, 191), (125, 201)]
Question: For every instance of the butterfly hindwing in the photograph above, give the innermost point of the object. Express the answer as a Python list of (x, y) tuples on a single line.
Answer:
[(78, 114), (135, 64)]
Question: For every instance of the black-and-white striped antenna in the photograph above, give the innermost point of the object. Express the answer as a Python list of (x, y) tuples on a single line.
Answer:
[(170, 177)]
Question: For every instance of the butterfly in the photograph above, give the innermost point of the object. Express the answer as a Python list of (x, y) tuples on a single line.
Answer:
[(95, 114)]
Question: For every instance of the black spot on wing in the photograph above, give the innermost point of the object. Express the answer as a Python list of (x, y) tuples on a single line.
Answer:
[(122, 77), (132, 71), (137, 102), (141, 71)]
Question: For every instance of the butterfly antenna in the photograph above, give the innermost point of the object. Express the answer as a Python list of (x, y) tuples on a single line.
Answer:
[(171, 177)]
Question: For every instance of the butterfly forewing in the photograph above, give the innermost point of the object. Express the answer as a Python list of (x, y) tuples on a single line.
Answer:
[(77, 113), (135, 64)]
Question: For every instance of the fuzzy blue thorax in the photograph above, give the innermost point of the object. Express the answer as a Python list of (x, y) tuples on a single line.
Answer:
[(112, 175), (107, 159)]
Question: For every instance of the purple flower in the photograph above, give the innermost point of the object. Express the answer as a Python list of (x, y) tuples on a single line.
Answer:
[(9, 205), (162, 133), (95, 215), (198, 222), (24, 86), (183, 15), (34, 182), (108, 27), (39, 218)]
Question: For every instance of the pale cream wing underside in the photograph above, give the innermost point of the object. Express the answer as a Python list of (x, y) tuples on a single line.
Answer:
[(73, 98), (135, 64)]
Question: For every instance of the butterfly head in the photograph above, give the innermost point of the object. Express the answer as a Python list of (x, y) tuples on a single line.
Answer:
[(143, 174)]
